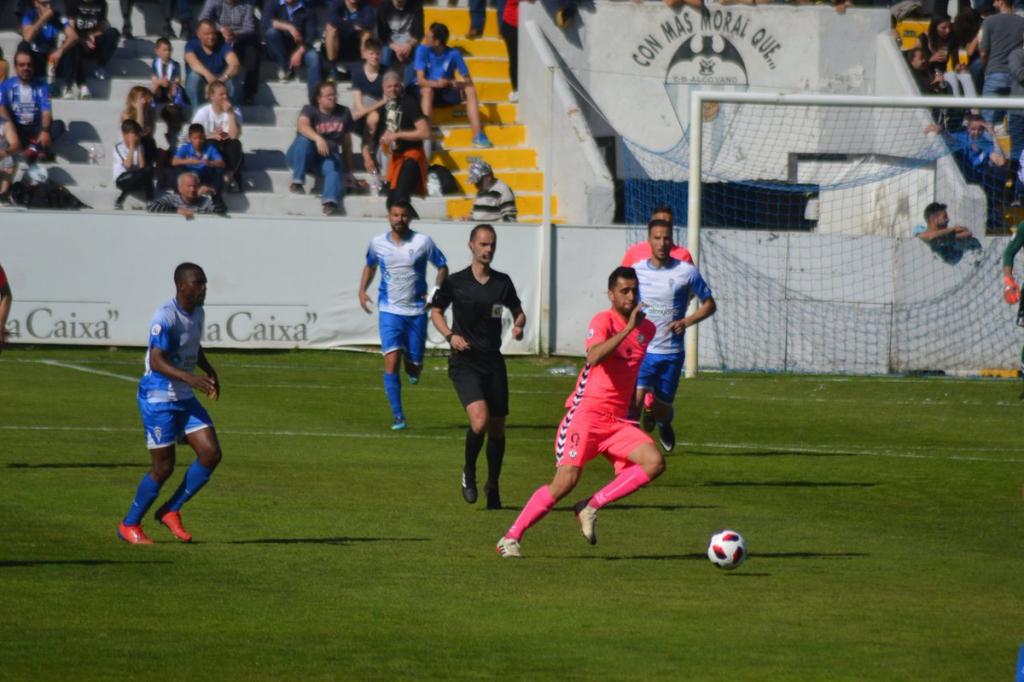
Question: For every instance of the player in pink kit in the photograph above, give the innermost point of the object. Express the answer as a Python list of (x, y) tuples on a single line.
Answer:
[(642, 250), (596, 419)]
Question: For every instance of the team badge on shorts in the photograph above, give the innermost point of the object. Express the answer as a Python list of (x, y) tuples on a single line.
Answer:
[(590, 334), (155, 331), (573, 444), (640, 338)]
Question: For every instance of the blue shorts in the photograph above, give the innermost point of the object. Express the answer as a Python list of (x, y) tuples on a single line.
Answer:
[(447, 97), (166, 423), (407, 333), (660, 373)]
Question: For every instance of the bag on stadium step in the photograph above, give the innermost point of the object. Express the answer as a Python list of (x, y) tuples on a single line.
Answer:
[(48, 194), (444, 178)]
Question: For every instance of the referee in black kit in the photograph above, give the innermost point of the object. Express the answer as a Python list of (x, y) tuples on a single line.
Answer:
[(476, 367)]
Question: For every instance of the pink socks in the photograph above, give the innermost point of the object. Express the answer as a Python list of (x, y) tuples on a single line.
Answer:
[(626, 483), (540, 503)]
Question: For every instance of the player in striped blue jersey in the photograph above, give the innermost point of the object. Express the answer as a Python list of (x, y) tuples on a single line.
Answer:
[(666, 287), (170, 411), (402, 256)]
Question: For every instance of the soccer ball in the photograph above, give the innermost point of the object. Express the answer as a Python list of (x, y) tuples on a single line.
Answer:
[(727, 549)]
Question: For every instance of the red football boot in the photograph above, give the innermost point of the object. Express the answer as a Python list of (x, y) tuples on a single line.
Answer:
[(133, 535), (172, 520)]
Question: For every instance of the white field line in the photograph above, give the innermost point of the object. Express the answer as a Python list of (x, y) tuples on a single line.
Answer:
[(781, 448), (788, 448), (426, 389)]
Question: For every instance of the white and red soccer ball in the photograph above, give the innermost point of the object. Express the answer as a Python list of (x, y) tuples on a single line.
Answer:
[(727, 549)]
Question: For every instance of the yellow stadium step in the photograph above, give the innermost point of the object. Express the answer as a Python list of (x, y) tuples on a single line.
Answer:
[(457, 20), (492, 91), (481, 47), (501, 136), (490, 113), (490, 68), (528, 204), (519, 181), (500, 159), (909, 30)]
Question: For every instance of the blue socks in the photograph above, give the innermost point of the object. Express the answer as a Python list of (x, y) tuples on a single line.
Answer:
[(195, 478), (144, 498), (393, 390)]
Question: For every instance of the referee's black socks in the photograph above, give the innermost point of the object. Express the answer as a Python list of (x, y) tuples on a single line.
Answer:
[(474, 441), (495, 456)]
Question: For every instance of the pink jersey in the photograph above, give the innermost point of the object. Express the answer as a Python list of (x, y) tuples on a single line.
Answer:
[(608, 386), (642, 251)]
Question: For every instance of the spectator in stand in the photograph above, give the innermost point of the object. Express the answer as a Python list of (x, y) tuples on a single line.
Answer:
[(5, 68), (133, 172), (494, 200), (168, 95), (1016, 118), (936, 229), (436, 65), (929, 79), (41, 32), (402, 131), (202, 158), (289, 28), (191, 198), (966, 30), (182, 11), (944, 55), (1001, 34), (323, 146), (25, 101), (478, 18), (89, 36), (349, 24), (400, 29), (981, 161), (9, 148), (138, 107), (509, 28), (237, 23), (368, 100), (207, 60), (222, 122)]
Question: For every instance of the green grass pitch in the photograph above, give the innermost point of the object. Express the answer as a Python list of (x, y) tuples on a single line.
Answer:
[(883, 518)]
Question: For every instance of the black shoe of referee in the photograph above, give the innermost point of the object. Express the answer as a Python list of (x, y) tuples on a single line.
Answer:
[(468, 488), (493, 496)]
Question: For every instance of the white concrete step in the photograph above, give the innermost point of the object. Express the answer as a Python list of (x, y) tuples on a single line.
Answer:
[(272, 204)]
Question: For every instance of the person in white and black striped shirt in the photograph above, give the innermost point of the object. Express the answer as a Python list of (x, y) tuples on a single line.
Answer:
[(189, 199), (495, 201)]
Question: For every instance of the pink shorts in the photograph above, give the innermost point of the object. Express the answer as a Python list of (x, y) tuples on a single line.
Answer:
[(584, 434)]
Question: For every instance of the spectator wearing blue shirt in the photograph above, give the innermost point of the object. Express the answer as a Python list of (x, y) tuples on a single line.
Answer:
[(289, 29), (436, 67), (982, 161), (236, 20), (208, 60), (201, 157), (25, 101), (349, 23), (41, 30)]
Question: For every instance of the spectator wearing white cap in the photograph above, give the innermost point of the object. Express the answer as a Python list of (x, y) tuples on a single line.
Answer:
[(494, 200)]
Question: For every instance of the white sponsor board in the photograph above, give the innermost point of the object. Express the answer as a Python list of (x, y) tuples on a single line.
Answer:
[(89, 278)]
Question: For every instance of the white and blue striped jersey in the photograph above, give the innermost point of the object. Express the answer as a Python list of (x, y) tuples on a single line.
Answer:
[(666, 292), (177, 334), (403, 271)]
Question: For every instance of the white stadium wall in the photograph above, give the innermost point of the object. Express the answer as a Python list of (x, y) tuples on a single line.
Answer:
[(869, 304), (92, 278)]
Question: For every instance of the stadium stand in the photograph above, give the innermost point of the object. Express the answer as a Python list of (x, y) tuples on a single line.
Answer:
[(83, 161)]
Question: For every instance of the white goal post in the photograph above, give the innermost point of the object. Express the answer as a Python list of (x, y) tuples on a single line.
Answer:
[(697, 170)]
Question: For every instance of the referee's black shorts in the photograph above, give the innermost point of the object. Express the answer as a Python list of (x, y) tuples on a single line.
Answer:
[(480, 377)]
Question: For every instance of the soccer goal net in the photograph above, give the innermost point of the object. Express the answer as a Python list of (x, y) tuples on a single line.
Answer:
[(806, 211)]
